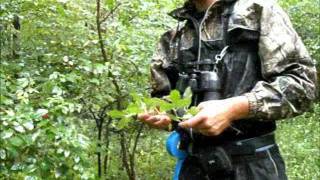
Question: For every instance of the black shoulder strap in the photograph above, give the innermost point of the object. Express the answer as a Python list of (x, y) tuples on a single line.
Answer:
[(229, 6)]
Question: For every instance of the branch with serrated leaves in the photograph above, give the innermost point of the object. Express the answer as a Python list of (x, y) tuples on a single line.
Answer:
[(172, 105)]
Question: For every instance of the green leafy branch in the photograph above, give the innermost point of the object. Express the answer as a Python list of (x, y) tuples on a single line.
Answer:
[(172, 105)]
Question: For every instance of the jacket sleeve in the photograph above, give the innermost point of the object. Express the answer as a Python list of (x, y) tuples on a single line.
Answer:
[(289, 74), (163, 75)]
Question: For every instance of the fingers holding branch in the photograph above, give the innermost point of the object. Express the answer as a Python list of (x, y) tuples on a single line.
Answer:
[(215, 129), (159, 121), (193, 122)]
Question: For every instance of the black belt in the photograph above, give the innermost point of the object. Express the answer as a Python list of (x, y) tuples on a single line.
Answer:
[(257, 155), (249, 146), (241, 147)]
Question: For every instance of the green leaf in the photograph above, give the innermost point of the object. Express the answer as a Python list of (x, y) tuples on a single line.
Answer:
[(41, 112), (19, 128), (116, 114), (165, 106), (186, 116), (12, 151), (183, 103), (43, 123), (6, 134), (66, 153), (72, 77), (28, 125), (16, 141), (3, 154), (110, 3), (187, 93), (94, 81), (23, 82), (133, 109), (28, 139), (6, 101), (124, 122), (61, 171), (193, 110), (136, 97), (174, 96)]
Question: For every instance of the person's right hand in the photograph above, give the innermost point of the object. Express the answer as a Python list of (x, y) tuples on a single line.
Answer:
[(159, 121)]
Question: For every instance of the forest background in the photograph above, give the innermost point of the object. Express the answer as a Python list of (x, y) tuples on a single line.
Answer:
[(66, 63)]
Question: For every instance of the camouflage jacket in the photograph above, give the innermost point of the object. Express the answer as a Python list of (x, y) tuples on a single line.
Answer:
[(275, 71)]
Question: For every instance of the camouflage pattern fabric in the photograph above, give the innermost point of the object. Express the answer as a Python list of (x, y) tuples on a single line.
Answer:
[(285, 75)]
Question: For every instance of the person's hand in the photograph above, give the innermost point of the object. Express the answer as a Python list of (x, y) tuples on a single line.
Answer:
[(159, 121), (216, 115)]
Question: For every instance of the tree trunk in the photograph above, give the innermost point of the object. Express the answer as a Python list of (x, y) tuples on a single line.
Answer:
[(15, 37), (125, 155)]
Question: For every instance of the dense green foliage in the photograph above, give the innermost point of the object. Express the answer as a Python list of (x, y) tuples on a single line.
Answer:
[(65, 64)]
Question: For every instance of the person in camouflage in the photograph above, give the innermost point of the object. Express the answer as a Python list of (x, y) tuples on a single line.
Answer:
[(266, 74)]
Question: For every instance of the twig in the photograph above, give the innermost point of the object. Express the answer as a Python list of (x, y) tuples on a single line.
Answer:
[(110, 13), (136, 141)]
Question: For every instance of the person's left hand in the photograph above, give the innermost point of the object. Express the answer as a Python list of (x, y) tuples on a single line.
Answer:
[(216, 115)]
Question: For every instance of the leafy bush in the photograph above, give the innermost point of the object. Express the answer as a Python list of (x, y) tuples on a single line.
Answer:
[(63, 68)]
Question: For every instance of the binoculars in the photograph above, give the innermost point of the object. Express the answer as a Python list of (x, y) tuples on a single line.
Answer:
[(203, 80)]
